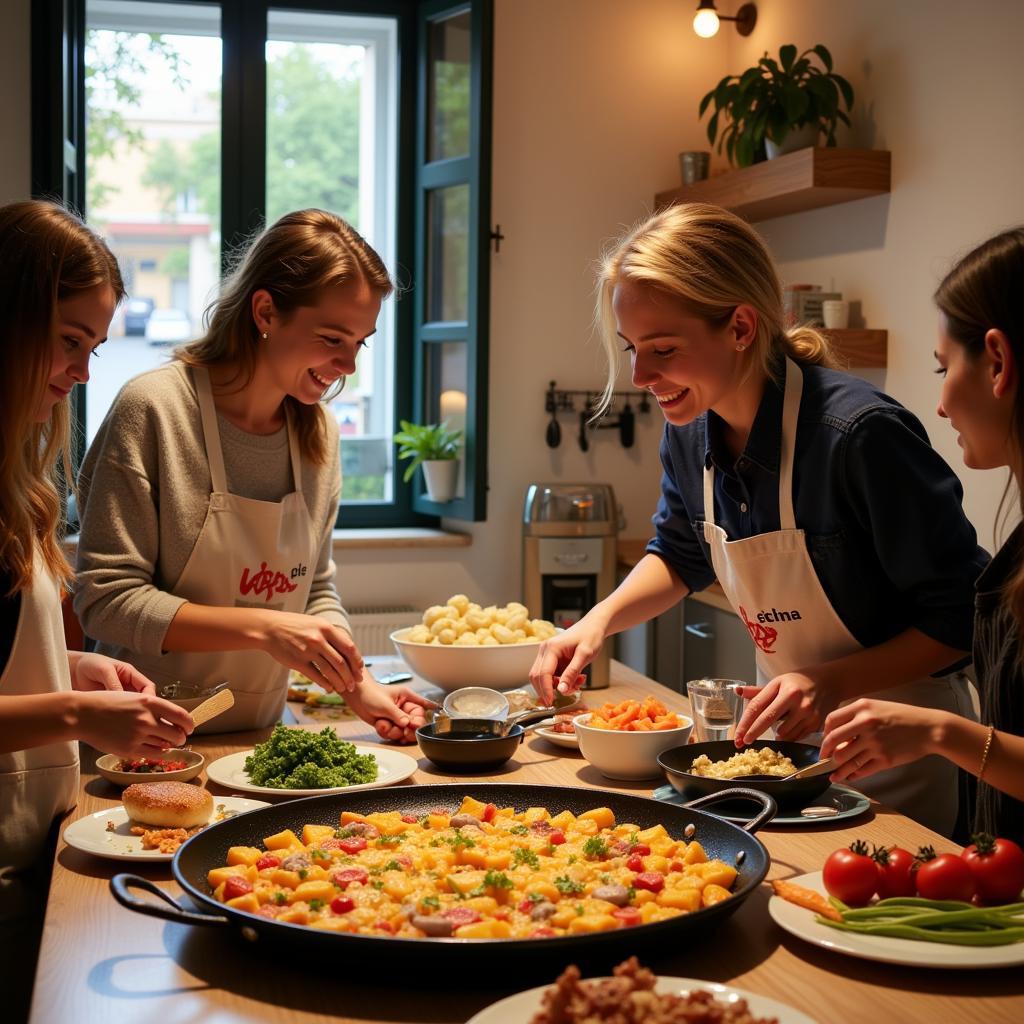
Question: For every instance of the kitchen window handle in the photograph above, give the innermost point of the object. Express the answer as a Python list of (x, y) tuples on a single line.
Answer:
[(701, 630)]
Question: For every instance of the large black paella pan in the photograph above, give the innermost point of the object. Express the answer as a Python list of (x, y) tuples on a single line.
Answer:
[(731, 843)]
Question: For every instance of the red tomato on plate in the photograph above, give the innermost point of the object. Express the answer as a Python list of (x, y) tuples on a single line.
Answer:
[(895, 872), (946, 877), (850, 875), (997, 866)]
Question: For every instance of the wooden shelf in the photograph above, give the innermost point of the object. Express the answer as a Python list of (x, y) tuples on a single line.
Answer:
[(804, 180), (860, 347)]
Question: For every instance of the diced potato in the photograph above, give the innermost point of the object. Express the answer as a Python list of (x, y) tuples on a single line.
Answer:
[(313, 835), (654, 862), (714, 894), (586, 826), (563, 820), (334, 924), (694, 854), (299, 914), (438, 821), (247, 902), (481, 904), (282, 840), (532, 814), (218, 876), (347, 817), (472, 806), (484, 930), (688, 899), (497, 861), (643, 896), (718, 873), (472, 856), (243, 855), (649, 835), (286, 879), (604, 817), (563, 917), (323, 891), (544, 888), (593, 923), (396, 884), (465, 881)]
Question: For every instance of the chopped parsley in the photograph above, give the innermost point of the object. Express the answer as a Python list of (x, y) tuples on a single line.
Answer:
[(567, 887), (302, 872), (433, 902), (459, 841), (280, 898), (497, 880), (519, 830), (525, 856), (595, 848), (579, 909), (572, 858), (344, 833), (316, 904), (392, 840), (377, 884), (392, 865), (536, 897)]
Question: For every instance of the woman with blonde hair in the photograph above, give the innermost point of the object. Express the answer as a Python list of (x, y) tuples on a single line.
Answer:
[(980, 352), (788, 482), (210, 492), (59, 285)]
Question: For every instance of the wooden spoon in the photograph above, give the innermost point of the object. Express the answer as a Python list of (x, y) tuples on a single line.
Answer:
[(212, 706)]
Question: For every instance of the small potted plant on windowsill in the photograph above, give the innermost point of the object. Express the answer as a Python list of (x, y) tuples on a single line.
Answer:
[(436, 448), (776, 107)]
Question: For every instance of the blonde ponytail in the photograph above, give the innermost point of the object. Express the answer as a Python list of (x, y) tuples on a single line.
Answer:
[(808, 347)]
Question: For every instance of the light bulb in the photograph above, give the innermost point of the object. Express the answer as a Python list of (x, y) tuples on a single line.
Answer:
[(705, 22)]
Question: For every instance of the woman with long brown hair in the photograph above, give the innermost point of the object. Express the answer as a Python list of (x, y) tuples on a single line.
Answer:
[(59, 285), (980, 352), (786, 481), (210, 492)]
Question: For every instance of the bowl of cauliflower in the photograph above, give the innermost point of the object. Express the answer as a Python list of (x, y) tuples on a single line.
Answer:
[(460, 643)]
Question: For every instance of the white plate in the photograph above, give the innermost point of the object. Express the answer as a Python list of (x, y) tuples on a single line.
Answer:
[(392, 767), (523, 1005), (90, 834), (560, 739), (801, 923)]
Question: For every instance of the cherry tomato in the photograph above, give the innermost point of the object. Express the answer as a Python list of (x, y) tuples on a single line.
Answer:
[(268, 910), (627, 915), (342, 904), (895, 872), (997, 866), (268, 862), (653, 881), (385, 926), (851, 875), (410, 819), (635, 863), (353, 844), (346, 876), (556, 837), (946, 877), (677, 865), (525, 906), (542, 933), (460, 916), (235, 887), (489, 812)]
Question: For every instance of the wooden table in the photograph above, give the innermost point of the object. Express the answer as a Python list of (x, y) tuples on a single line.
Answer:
[(100, 963)]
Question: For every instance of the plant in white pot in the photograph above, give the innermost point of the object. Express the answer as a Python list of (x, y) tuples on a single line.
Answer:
[(778, 106), (436, 448)]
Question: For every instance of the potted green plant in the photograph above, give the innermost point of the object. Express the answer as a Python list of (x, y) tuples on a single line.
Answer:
[(771, 105), (436, 448)]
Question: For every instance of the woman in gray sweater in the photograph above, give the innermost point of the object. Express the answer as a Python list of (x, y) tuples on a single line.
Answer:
[(210, 492)]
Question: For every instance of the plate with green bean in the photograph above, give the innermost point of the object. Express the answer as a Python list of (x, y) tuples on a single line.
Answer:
[(913, 932)]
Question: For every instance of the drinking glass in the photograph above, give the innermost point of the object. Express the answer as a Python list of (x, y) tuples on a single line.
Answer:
[(715, 707)]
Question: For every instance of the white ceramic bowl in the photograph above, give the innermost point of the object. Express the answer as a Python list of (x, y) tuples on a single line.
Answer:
[(619, 754), (193, 766), (501, 667)]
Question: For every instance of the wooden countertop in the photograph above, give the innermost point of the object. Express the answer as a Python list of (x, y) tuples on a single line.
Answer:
[(101, 964), (630, 550)]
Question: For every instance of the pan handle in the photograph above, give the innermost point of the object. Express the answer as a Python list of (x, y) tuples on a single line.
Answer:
[(768, 805), (121, 884)]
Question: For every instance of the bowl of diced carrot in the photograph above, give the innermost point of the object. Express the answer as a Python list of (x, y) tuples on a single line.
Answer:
[(623, 740)]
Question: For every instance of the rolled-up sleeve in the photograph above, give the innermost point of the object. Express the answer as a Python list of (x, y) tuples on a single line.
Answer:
[(907, 499), (674, 538)]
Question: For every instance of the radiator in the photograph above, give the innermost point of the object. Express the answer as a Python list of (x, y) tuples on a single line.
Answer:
[(372, 627)]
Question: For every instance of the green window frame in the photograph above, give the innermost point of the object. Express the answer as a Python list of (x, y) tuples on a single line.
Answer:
[(58, 171)]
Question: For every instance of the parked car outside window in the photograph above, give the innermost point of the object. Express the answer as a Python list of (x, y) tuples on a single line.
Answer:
[(168, 327), (136, 315)]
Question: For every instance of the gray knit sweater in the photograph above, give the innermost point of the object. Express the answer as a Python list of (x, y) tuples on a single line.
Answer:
[(143, 494)]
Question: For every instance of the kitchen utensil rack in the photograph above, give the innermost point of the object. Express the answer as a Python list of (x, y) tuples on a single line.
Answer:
[(619, 415)]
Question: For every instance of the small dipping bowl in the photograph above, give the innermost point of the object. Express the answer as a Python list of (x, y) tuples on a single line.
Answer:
[(194, 761), (469, 745)]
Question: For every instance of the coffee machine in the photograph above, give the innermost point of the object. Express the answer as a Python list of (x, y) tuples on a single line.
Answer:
[(569, 556)]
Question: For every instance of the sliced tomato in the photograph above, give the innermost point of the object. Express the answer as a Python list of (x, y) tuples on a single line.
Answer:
[(346, 876), (342, 904), (352, 844), (460, 916), (410, 819), (635, 863), (489, 812), (268, 862), (652, 881), (235, 887), (542, 933), (629, 916), (385, 926), (556, 837)]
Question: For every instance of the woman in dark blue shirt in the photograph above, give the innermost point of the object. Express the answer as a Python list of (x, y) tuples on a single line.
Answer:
[(816, 501), (980, 353)]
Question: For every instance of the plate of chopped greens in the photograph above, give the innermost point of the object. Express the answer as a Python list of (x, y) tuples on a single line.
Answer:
[(304, 762)]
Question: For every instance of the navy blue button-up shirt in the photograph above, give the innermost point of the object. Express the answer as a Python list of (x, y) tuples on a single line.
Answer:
[(881, 510)]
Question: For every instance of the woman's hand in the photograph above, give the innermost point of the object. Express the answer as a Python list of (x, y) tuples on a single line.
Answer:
[(563, 657), (319, 650), (96, 672), (869, 736), (396, 712), (130, 724), (795, 703)]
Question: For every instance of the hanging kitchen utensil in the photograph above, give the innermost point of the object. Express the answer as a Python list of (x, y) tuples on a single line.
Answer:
[(583, 439), (553, 435), (627, 426)]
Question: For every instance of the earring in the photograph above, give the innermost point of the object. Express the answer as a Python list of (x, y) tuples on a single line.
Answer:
[(739, 348), (264, 335)]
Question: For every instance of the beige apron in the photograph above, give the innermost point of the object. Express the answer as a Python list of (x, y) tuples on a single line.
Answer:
[(771, 584), (249, 553), (40, 784)]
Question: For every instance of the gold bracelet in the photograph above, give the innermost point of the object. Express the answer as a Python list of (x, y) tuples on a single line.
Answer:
[(984, 755)]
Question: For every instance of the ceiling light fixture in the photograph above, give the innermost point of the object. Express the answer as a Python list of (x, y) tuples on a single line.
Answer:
[(705, 21)]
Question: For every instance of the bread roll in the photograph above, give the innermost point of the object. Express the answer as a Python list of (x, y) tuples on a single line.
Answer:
[(168, 804)]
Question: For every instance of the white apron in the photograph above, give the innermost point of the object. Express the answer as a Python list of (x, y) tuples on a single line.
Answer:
[(40, 784), (249, 553), (771, 584)]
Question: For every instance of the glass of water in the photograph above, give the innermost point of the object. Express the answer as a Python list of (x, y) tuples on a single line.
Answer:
[(715, 707)]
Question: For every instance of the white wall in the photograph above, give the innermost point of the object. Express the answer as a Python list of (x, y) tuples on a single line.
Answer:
[(15, 164), (940, 85)]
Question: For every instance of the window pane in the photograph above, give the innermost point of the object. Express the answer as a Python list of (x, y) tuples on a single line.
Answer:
[(153, 83), (447, 383), (448, 88), (331, 143), (448, 253)]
